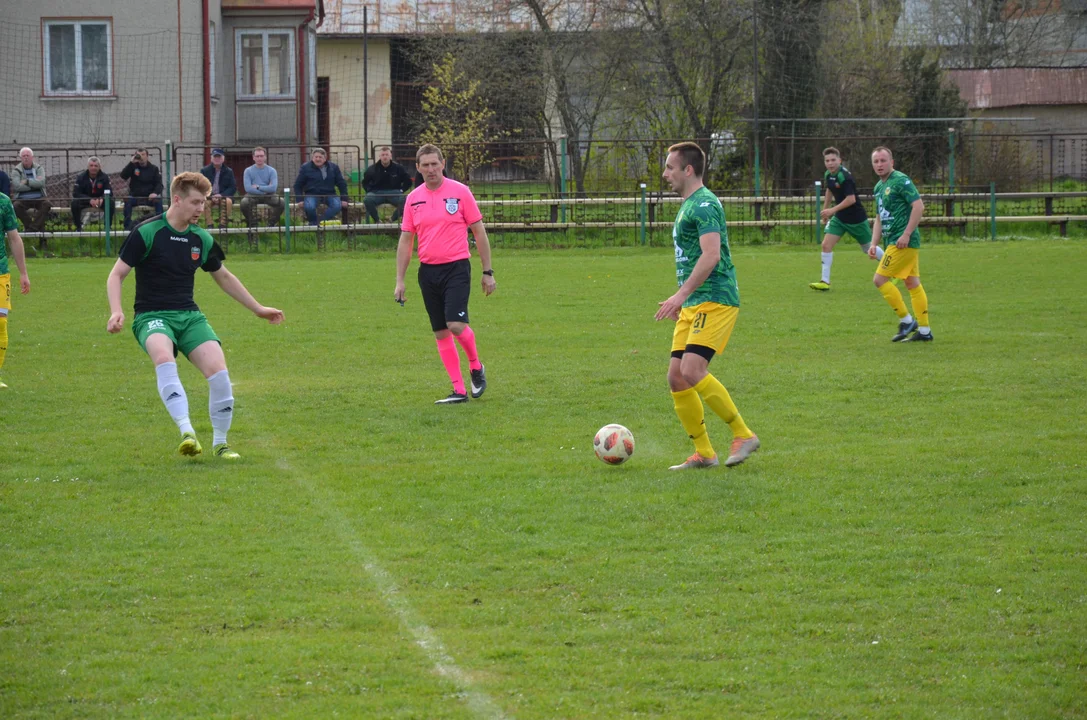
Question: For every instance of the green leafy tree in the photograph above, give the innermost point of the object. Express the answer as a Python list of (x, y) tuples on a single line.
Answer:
[(458, 120)]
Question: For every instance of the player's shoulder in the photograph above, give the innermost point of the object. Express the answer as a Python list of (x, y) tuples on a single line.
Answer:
[(201, 233), (844, 174), (5, 203)]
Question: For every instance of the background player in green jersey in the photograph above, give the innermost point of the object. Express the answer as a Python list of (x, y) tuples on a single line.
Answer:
[(166, 251), (846, 216), (9, 225), (705, 309), (900, 210)]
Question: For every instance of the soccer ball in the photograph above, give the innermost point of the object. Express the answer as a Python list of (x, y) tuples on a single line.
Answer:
[(613, 444)]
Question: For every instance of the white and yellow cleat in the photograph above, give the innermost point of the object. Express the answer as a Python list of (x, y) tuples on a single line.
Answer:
[(3, 386), (697, 461), (741, 449), (190, 446), (222, 450)]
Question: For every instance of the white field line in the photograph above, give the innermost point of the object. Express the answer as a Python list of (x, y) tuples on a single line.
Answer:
[(423, 635)]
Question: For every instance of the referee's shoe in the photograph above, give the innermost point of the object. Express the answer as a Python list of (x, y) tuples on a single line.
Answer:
[(452, 399), (479, 381)]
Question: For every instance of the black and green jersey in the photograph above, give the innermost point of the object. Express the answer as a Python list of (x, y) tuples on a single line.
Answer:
[(894, 199), (841, 186), (166, 260), (8, 222), (700, 214)]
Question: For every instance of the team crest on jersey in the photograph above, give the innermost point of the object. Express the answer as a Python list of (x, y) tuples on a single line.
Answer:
[(451, 205), (195, 252)]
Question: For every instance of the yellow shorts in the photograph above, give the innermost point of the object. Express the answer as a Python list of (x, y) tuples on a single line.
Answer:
[(5, 291), (900, 263), (708, 324)]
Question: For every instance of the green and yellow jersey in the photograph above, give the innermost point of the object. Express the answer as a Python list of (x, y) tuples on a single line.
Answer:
[(894, 198), (8, 222), (700, 214)]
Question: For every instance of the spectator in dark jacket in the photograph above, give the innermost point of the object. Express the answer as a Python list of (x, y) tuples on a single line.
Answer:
[(89, 191), (385, 183), (144, 185), (317, 182), (5, 184), (223, 186)]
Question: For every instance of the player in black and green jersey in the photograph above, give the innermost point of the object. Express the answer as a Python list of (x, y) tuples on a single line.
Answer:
[(705, 309), (166, 251), (900, 210), (9, 226), (846, 216)]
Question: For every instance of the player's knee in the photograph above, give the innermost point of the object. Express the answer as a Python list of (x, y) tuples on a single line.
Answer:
[(827, 245)]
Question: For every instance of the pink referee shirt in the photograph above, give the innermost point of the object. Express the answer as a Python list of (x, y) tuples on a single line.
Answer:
[(441, 218)]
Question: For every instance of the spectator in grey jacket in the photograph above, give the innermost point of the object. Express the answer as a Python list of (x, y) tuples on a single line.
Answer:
[(28, 192), (261, 183)]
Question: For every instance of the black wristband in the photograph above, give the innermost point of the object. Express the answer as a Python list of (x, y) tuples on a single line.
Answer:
[(489, 272)]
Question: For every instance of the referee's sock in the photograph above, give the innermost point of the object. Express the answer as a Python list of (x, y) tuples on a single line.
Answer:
[(447, 350), (467, 340)]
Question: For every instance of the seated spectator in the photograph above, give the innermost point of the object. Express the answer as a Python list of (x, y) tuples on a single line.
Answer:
[(28, 192), (89, 190), (144, 185), (385, 183), (223, 186), (261, 184), (317, 182), (5, 183)]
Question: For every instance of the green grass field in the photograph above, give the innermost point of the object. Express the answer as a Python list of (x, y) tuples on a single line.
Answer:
[(910, 541)]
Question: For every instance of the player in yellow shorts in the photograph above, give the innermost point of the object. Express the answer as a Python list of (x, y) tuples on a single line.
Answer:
[(900, 210), (704, 307), (10, 227)]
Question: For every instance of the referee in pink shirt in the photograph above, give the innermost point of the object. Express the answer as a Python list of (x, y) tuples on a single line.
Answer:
[(441, 212)]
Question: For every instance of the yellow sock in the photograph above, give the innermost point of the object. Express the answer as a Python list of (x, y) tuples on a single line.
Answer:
[(717, 397), (691, 415), (3, 338), (894, 298), (920, 305)]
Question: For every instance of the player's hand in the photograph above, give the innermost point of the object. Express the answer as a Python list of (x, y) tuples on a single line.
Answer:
[(826, 215), (116, 323), (903, 242), (24, 284), (670, 308), (270, 314), (489, 284), (399, 293), (872, 251)]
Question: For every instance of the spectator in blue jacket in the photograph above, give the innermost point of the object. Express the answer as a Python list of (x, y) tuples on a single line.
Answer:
[(318, 181), (5, 184), (223, 186)]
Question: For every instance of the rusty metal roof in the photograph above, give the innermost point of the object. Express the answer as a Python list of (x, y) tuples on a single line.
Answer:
[(1019, 87)]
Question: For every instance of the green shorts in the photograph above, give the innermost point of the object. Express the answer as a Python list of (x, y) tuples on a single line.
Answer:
[(188, 329), (861, 231)]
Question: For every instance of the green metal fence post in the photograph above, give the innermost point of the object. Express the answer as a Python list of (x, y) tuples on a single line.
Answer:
[(818, 219), (169, 175), (643, 213), (287, 215), (108, 206), (951, 171), (992, 210), (562, 178), (758, 190)]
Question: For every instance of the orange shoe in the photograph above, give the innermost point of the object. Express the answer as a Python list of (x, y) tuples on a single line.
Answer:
[(741, 449), (697, 461)]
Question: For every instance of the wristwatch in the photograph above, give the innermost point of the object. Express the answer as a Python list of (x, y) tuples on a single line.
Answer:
[(489, 272)]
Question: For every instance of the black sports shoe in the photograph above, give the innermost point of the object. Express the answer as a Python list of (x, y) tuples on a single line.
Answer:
[(479, 381), (454, 397), (919, 337), (904, 329)]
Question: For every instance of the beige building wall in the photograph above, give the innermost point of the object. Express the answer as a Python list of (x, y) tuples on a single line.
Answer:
[(341, 62)]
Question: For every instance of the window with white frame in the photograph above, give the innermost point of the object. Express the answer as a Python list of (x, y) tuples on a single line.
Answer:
[(264, 64), (78, 57), (211, 58)]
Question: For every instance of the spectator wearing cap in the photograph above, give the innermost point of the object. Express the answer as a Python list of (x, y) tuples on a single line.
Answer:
[(385, 183), (89, 190), (223, 186), (317, 182), (28, 192), (261, 183), (144, 185)]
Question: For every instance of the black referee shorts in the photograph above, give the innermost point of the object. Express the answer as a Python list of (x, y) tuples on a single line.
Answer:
[(445, 290)]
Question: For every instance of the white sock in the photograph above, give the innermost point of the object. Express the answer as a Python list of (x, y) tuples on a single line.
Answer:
[(828, 260), (220, 405), (908, 319), (879, 252), (924, 329), (173, 395)]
